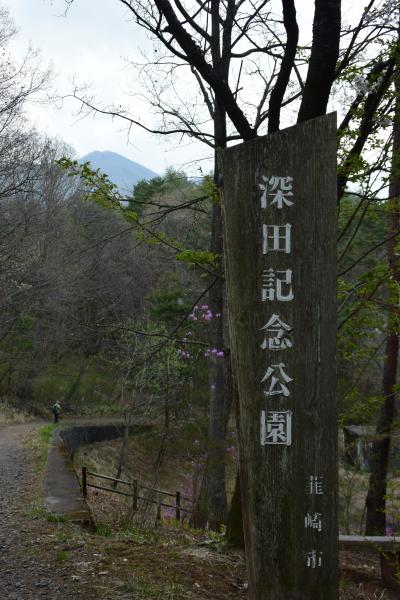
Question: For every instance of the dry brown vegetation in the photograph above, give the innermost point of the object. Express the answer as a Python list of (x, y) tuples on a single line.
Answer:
[(172, 560)]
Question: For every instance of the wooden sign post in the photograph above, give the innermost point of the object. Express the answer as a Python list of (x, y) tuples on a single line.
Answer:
[(279, 204)]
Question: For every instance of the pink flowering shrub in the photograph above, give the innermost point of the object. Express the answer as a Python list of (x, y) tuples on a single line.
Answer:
[(214, 352), (201, 313)]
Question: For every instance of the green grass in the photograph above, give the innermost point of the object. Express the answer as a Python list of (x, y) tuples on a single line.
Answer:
[(40, 444), (64, 536), (39, 512), (62, 555), (141, 590), (56, 518), (104, 530), (46, 432), (137, 535)]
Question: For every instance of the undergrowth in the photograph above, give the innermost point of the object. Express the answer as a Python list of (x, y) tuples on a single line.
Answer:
[(39, 512), (141, 589), (10, 415), (39, 444)]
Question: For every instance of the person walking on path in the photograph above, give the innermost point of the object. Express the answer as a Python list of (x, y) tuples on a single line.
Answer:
[(56, 410)]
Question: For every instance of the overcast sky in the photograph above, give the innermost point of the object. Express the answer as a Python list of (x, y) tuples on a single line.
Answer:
[(90, 42)]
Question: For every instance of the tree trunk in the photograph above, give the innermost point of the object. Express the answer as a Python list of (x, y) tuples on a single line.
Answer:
[(376, 497), (234, 528), (26, 381), (323, 58), (122, 451), (74, 386), (234, 531), (212, 508)]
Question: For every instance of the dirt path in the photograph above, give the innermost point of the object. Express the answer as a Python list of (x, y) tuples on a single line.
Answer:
[(27, 571)]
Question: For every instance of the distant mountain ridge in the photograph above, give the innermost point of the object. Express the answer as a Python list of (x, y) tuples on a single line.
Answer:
[(123, 172)]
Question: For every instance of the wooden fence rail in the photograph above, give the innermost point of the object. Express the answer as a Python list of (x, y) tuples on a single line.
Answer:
[(134, 484), (387, 547)]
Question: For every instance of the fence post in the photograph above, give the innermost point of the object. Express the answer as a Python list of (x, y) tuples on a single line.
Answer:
[(84, 482), (178, 506), (135, 495), (158, 518)]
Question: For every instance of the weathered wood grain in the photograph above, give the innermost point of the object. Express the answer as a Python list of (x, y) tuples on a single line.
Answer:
[(274, 478)]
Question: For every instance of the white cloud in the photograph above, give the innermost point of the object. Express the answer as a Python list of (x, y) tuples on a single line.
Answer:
[(89, 43)]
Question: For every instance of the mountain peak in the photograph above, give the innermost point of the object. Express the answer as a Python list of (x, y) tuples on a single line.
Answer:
[(122, 171)]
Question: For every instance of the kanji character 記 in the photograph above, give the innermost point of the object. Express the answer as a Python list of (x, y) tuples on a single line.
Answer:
[(276, 334), (314, 559), (276, 238), (276, 427), (313, 521), (314, 485), (278, 378), (279, 188), (277, 285)]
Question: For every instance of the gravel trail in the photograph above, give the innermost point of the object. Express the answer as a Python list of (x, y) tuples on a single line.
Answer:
[(25, 570)]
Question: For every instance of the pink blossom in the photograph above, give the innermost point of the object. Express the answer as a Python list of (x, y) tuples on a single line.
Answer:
[(220, 354)]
